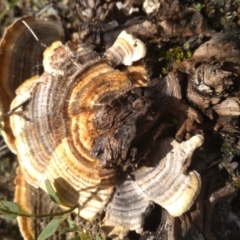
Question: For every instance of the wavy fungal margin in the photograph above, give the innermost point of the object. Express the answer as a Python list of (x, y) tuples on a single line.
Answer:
[(53, 131), (163, 183)]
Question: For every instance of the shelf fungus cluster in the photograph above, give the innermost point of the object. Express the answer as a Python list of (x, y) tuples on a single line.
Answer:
[(82, 124)]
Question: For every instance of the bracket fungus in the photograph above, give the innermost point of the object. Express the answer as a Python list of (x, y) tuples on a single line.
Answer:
[(78, 126), (163, 183), (21, 58)]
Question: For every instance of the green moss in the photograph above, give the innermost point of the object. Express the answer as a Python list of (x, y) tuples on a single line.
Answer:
[(164, 70), (236, 182), (189, 54), (174, 55), (4, 164), (198, 6), (227, 149), (174, 122)]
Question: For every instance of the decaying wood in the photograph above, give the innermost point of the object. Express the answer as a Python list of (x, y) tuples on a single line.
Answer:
[(213, 84)]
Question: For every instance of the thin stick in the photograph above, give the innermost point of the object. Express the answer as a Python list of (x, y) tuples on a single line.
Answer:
[(34, 35), (31, 31), (12, 111)]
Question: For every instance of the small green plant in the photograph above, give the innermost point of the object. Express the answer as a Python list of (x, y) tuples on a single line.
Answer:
[(10, 210), (9, 5)]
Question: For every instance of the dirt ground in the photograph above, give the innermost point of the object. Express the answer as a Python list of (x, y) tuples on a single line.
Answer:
[(214, 17)]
